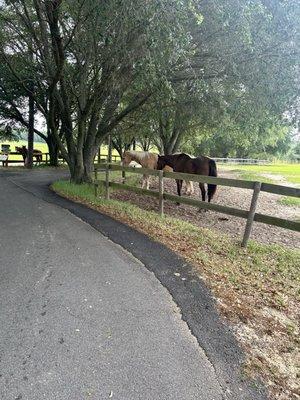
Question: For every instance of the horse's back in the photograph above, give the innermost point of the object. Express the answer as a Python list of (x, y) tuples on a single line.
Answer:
[(183, 159), (184, 163), (205, 166)]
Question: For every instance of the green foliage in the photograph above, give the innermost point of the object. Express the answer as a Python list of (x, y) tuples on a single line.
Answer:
[(7, 133), (203, 76)]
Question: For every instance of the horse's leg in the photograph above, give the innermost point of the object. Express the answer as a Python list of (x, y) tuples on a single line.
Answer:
[(189, 188), (192, 187), (143, 181), (179, 186), (203, 191), (147, 182)]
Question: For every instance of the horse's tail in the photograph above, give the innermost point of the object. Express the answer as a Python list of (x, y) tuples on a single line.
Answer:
[(212, 172)]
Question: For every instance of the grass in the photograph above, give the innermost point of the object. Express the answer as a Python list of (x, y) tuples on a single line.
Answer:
[(253, 176), (257, 288), (290, 201), (116, 176), (290, 172)]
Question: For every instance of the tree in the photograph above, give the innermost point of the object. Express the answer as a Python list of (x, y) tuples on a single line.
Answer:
[(234, 84), (198, 65), (99, 61), (15, 85)]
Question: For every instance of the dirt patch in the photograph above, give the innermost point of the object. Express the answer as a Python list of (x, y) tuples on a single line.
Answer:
[(232, 197), (277, 178)]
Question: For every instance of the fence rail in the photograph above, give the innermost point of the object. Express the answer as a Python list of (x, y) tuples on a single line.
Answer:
[(105, 158), (250, 214), (45, 158), (245, 161)]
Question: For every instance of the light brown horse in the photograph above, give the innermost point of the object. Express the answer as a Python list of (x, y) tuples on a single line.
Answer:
[(148, 160)]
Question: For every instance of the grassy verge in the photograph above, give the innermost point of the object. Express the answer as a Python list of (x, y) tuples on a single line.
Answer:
[(257, 288)]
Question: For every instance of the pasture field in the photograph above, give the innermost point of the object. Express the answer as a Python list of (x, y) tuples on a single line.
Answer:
[(282, 174), (37, 145), (40, 146), (257, 288), (266, 173)]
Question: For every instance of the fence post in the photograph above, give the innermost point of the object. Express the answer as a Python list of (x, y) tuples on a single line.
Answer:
[(107, 181), (161, 192), (96, 183), (249, 223)]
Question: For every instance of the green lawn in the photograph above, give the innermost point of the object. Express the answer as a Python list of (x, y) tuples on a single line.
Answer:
[(290, 172), (37, 145), (290, 201)]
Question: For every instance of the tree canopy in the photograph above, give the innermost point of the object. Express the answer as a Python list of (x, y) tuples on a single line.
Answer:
[(161, 72)]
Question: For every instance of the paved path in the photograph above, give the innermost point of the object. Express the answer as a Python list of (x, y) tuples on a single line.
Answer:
[(83, 319)]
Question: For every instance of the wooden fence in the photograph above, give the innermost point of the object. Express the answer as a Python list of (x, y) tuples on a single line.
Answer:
[(100, 158), (250, 215), (244, 161), (19, 160)]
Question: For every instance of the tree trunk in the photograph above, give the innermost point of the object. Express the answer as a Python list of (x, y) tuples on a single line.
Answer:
[(53, 151), (88, 161), (75, 164), (29, 163), (169, 147), (77, 172)]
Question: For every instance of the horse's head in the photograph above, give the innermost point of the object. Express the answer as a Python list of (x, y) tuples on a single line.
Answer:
[(161, 162), (21, 150), (126, 159)]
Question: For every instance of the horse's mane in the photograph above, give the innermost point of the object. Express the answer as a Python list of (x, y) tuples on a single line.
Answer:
[(138, 155)]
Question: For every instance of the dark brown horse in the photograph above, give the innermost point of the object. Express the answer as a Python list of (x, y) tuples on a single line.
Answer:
[(200, 165), (24, 152)]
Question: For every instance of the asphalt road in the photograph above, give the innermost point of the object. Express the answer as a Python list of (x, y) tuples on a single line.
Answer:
[(81, 318)]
